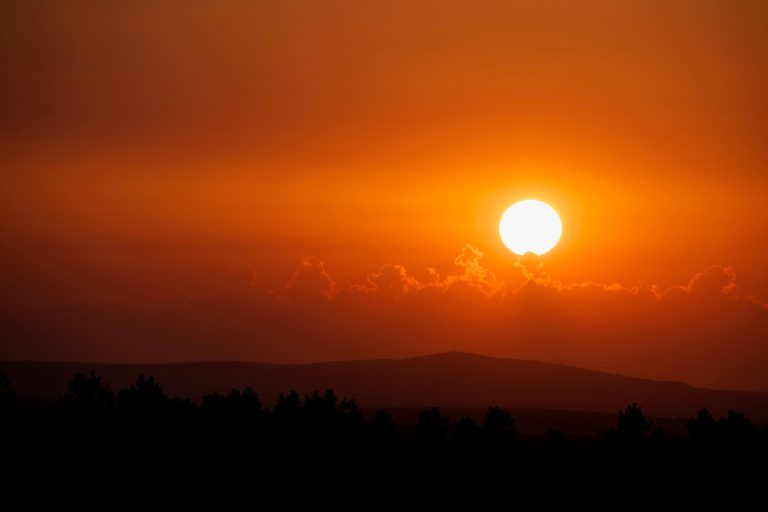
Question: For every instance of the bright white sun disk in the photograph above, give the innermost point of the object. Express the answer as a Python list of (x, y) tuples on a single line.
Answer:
[(530, 226)]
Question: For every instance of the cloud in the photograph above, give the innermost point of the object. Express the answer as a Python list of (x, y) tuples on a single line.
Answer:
[(311, 282), (757, 302), (704, 331), (394, 281), (390, 281), (475, 275), (532, 268), (714, 281), (701, 331), (241, 276)]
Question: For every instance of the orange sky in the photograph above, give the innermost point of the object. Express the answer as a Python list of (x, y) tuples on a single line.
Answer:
[(165, 167)]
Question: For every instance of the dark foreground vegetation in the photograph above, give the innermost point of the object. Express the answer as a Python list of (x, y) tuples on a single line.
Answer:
[(93, 433)]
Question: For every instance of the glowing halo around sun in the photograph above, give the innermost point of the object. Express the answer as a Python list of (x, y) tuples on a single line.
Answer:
[(530, 226)]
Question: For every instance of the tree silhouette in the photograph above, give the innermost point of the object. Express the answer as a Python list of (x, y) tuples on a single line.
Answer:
[(432, 426), (497, 421), (733, 428), (320, 409), (232, 430), (466, 431), (632, 422), (142, 398), (245, 405), (350, 410), (238, 410), (286, 413), (7, 394), (89, 394), (383, 429), (736, 427), (703, 427), (215, 405)]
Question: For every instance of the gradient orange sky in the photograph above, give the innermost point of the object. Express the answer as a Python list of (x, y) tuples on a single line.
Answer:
[(166, 166)]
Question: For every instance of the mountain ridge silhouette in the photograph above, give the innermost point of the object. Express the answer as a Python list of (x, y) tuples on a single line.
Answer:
[(446, 379)]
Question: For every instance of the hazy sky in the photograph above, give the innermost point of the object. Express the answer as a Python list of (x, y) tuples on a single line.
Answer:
[(165, 166)]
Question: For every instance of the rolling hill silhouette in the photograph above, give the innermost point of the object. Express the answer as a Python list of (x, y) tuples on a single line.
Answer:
[(449, 380)]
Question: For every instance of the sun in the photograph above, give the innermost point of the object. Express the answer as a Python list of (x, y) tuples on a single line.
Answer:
[(530, 226)]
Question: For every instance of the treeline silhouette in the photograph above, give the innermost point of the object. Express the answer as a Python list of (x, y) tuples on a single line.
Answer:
[(140, 426)]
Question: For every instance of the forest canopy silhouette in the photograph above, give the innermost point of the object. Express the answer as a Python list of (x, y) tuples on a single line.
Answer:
[(138, 424)]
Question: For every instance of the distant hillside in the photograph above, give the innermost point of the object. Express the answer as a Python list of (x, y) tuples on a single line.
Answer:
[(455, 380)]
